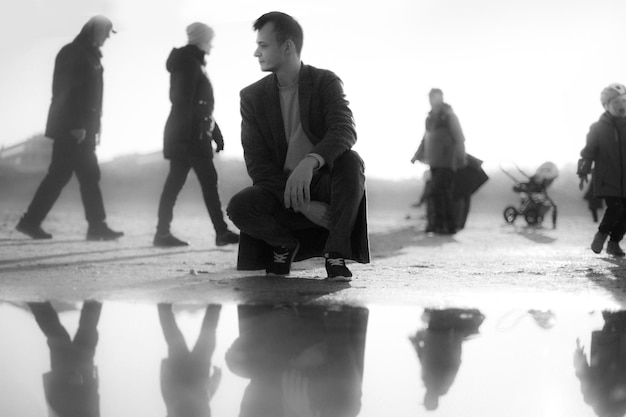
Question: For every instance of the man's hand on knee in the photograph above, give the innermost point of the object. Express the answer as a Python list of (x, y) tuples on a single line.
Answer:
[(317, 212), (298, 187)]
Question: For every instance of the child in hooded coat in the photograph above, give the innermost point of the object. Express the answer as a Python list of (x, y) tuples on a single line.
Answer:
[(606, 151)]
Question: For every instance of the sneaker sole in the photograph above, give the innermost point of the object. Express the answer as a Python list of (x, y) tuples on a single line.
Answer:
[(101, 239), (36, 237), (338, 279)]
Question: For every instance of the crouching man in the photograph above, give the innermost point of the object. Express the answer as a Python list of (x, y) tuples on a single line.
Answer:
[(308, 192)]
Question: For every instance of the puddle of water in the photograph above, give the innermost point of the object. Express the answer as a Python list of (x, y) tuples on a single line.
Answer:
[(116, 359)]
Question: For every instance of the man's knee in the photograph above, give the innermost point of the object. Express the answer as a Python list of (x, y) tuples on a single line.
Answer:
[(240, 205)]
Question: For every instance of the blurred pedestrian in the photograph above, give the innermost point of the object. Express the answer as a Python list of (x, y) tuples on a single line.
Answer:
[(71, 387), (308, 192), (603, 376), (188, 379), (439, 348), (74, 126), (605, 150), (443, 149), (189, 133)]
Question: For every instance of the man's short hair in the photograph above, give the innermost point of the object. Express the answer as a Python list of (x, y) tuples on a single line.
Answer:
[(285, 28)]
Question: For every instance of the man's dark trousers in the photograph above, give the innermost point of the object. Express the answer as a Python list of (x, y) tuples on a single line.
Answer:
[(207, 175), (69, 157), (260, 214)]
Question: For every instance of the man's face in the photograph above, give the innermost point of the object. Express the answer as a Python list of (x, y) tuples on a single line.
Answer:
[(101, 34), (617, 106), (269, 52), (436, 100), (206, 44)]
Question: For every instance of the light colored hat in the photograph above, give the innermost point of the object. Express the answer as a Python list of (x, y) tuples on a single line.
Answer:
[(612, 91), (198, 32)]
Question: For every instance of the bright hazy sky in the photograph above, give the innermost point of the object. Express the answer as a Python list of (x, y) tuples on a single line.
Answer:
[(523, 76)]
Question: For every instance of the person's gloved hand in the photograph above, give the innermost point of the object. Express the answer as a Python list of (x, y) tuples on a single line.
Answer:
[(583, 180)]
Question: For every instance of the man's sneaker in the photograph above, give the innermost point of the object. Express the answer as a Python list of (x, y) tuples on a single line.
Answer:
[(102, 232), (598, 242), (336, 268), (280, 264), (226, 238), (33, 230), (167, 240), (612, 248)]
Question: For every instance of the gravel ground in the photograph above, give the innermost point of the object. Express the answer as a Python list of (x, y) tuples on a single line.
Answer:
[(489, 263)]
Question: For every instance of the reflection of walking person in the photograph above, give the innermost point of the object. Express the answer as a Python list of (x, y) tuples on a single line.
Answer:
[(606, 151), (189, 132), (188, 382), (443, 149), (603, 376), (439, 348), (74, 125), (71, 386)]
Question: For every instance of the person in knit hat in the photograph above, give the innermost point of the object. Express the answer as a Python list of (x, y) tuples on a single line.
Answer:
[(605, 152), (190, 131)]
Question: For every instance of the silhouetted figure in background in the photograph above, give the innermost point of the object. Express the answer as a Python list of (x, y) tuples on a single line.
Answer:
[(301, 361), (443, 149), (188, 382), (71, 386), (603, 377), (189, 132), (297, 132), (74, 126), (605, 151), (439, 348)]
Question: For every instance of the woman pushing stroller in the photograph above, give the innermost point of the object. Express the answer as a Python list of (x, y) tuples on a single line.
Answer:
[(606, 151)]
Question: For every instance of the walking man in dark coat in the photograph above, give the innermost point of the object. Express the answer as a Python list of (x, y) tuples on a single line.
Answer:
[(189, 131), (308, 192), (74, 125)]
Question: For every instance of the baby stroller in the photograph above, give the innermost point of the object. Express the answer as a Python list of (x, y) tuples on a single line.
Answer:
[(534, 199)]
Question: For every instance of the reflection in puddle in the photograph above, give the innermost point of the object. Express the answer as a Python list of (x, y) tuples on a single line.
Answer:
[(118, 359)]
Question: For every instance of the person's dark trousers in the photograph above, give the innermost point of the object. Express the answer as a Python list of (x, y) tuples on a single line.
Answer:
[(68, 158), (442, 192), (260, 214), (200, 355), (66, 353), (207, 175), (614, 221)]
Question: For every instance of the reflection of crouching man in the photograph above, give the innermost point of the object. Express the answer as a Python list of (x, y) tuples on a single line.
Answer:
[(308, 193)]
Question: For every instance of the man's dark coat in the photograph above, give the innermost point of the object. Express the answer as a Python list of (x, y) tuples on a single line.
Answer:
[(328, 123)]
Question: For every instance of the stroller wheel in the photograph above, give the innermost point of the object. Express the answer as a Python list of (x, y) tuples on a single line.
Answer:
[(533, 217), (510, 214)]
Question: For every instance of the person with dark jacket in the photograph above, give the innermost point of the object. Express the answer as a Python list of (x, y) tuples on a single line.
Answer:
[(74, 126), (443, 149), (188, 381), (606, 152), (308, 192), (189, 132), (71, 387)]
